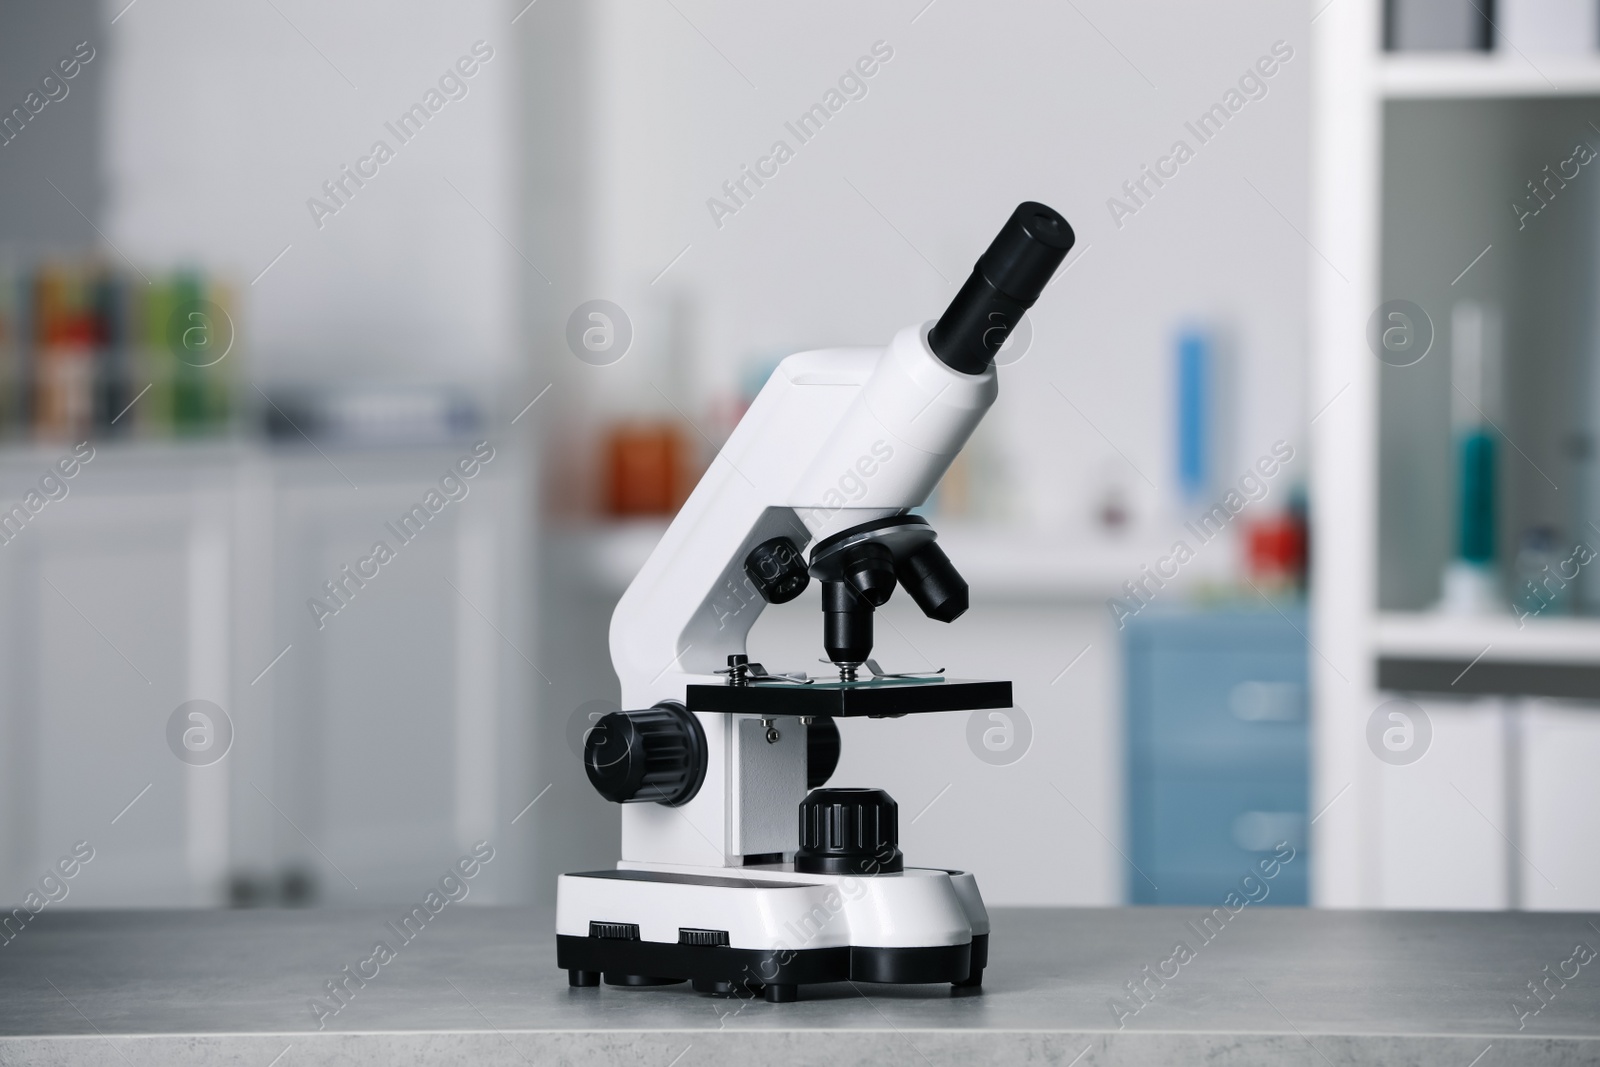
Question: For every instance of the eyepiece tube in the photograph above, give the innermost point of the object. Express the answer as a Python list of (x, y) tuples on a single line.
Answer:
[(1005, 283)]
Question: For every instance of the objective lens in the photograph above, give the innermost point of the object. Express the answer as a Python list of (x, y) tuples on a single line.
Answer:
[(934, 583), (870, 569), (846, 624)]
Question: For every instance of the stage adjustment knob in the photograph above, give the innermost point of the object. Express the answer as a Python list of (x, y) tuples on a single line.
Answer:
[(658, 754), (849, 831)]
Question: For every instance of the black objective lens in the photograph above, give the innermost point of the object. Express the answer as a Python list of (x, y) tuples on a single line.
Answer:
[(846, 624), (870, 569), (1007, 280), (934, 583)]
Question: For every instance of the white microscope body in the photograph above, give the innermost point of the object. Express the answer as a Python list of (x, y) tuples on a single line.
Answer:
[(714, 883)]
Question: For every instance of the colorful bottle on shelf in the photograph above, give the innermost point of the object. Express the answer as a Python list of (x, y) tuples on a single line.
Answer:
[(1471, 581)]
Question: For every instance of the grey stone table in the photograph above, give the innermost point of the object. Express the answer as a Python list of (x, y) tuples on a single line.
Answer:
[(479, 986)]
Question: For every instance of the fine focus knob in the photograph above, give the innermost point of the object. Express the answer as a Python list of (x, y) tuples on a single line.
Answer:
[(777, 570), (849, 831), (658, 754)]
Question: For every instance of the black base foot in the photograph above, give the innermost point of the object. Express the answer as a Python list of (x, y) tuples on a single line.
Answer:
[(971, 981), (782, 994), (583, 979), (638, 979), (725, 989)]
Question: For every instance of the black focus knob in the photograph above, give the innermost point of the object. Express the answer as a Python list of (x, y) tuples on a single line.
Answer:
[(777, 570), (658, 754), (849, 831)]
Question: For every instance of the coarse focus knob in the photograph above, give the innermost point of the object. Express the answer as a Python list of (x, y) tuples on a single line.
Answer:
[(777, 570), (849, 831), (658, 754)]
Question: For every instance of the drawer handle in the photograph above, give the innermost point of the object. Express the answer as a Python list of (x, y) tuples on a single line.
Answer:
[(1267, 702), (1263, 831)]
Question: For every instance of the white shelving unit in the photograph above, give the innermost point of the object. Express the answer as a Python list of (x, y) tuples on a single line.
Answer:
[(1499, 639), (1484, 76), (1443, 831)]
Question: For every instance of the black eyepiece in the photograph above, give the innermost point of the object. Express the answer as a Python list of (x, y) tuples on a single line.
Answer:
[(1007, 280)]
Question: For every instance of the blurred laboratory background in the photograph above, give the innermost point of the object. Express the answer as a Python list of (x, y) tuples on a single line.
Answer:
[(354, 357)]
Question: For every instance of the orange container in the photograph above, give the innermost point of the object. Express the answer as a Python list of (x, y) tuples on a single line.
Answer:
[(646, 469)]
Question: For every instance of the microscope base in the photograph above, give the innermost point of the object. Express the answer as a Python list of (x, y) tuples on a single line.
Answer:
[(768, 930)]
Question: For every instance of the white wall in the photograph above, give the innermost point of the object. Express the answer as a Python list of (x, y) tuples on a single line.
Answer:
[(982, 106), (223, 119)]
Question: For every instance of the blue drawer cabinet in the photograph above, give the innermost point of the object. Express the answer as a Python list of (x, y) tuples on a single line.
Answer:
[(1217, 747)]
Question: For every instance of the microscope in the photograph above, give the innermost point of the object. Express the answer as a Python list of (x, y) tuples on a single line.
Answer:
[(741, 871)]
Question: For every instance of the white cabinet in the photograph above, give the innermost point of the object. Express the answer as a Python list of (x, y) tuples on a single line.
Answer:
[(118, 600), (1560, 868), (366, 752), (1444, 816)]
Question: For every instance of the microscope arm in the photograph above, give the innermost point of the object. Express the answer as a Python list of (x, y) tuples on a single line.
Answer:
[(836, 438)]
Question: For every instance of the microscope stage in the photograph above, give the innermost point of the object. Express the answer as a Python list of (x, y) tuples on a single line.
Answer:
[(873, 698)]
